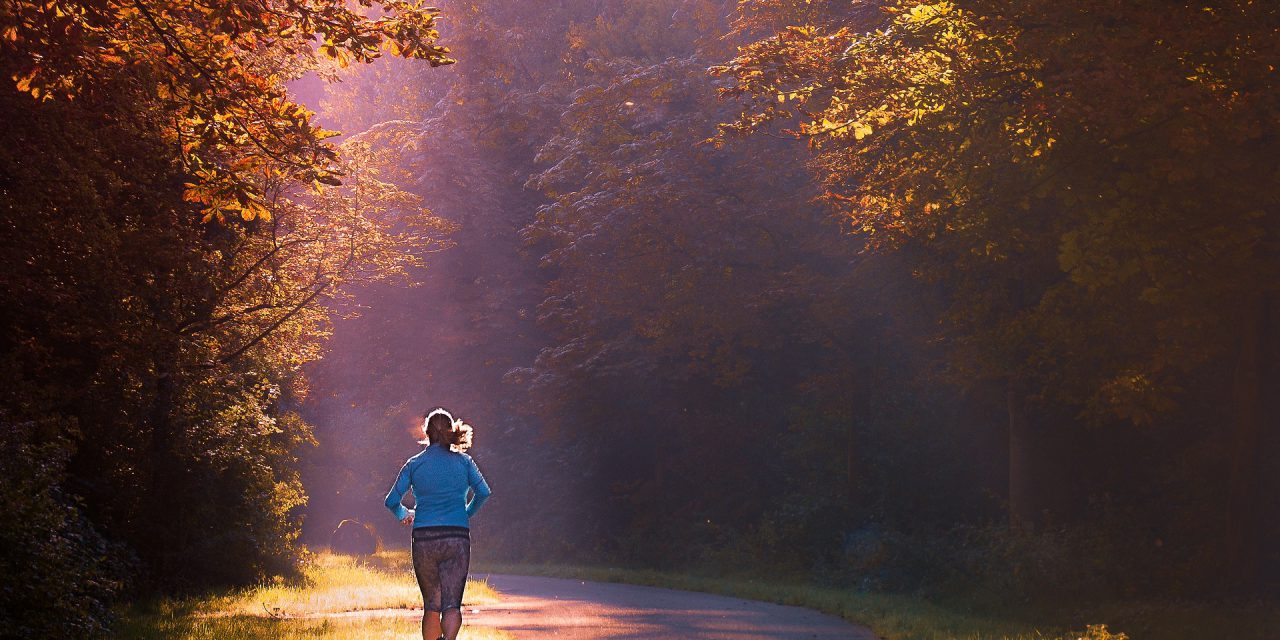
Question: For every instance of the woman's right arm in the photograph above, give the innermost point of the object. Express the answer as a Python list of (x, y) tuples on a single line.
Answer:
[(397, 493), (478, 486)]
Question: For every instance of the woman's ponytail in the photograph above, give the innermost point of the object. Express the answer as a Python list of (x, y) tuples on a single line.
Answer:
[(443, 429), (461, 436)]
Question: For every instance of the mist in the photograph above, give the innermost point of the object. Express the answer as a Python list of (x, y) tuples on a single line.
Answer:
[(679, 353)]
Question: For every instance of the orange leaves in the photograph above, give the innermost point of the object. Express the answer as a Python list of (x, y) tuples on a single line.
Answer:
[(217, 71), (24, 82), (221, 197)]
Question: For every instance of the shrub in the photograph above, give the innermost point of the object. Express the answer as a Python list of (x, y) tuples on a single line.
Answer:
[(60, 575)]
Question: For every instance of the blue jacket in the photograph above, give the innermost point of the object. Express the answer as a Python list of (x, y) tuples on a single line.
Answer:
[(440, 479)]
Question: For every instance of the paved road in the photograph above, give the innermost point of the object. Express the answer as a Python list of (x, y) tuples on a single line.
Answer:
[(540, 608)]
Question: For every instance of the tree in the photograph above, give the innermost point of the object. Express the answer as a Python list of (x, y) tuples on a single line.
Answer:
[(681, 291), (1090, 189), (212, 71), (179, 227)]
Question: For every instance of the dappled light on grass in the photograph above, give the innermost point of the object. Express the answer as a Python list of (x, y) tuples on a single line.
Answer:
[(331, 584), (335, 583), (261, 628), (394, 560)]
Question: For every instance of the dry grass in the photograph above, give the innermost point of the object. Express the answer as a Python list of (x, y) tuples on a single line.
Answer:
[(262, 628), (331, 584), (335, 583)]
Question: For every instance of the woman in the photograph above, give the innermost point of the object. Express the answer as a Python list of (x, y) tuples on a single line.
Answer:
[(441, 477)]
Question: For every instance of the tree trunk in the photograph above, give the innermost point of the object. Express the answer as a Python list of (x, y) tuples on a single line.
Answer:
[(1241, 539), (851, 468), (855, 491), (1022, 499), (156, 534)]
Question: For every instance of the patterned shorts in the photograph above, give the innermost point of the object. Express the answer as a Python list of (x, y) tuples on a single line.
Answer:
[(441, 557)]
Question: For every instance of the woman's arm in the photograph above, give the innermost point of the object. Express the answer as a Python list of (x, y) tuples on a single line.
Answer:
[(397, 493), (479, 487)]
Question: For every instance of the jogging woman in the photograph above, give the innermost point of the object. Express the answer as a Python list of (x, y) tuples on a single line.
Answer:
[(441, 477)]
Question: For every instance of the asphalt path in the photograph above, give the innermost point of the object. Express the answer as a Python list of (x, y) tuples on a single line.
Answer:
[(539, 608)]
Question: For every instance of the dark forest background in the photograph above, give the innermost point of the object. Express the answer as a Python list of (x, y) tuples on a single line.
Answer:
[(974, 298)]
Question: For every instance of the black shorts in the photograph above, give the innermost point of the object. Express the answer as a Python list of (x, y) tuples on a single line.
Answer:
[(441, 558)]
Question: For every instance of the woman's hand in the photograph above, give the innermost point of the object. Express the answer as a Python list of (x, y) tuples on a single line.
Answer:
[(408, 519)]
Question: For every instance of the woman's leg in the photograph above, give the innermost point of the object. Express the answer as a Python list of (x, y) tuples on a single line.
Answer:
[(426, 569), (451, 622), (431, 625), (453, 580)]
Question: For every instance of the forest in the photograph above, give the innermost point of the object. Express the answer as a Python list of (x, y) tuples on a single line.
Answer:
[(976, 301)]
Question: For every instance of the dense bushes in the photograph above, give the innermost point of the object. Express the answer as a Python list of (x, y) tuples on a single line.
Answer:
[(60, 575)]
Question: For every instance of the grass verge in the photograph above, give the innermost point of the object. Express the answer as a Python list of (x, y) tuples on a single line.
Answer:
[(241, 627), (335, 583), (331, 584), (909, 617)]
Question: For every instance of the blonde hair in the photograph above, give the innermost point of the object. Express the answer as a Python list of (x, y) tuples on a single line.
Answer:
[(441, 427)]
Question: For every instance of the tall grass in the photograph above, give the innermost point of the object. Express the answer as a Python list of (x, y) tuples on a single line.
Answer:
[(334, 583), (262, 628), (325, 604)]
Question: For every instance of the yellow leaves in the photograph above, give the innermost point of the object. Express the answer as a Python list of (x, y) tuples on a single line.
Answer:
[(339, 54), (254, 209), (926, 13), (1136, 397), (218, 208), (323, 134), (223, 192), (800, 94), (838, 129)]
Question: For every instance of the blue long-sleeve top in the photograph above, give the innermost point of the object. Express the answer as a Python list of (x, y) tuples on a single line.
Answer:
[(440, 479)]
